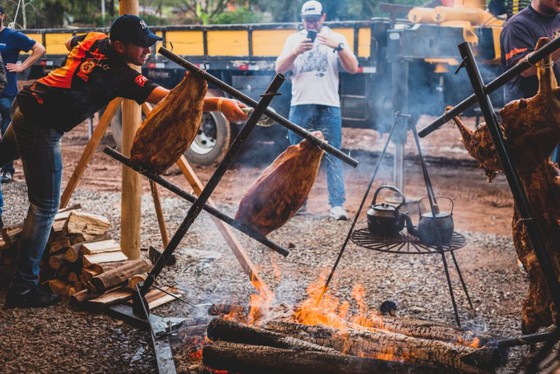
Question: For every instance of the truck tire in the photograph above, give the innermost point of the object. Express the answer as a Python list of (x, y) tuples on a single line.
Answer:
[(208, 148)]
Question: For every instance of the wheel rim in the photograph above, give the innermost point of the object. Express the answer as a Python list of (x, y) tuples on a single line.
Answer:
[(205, 140)]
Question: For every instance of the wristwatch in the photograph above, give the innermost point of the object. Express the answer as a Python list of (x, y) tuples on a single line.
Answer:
[(340, 47)]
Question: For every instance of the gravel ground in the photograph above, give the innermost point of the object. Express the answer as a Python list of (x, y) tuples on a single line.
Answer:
[(60, 339)]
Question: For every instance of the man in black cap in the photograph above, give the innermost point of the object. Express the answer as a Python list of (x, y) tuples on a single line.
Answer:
[(95, 71)]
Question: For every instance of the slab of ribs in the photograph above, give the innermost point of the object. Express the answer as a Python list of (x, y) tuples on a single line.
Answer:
[(282, 188), (171, 126), (531, 130)]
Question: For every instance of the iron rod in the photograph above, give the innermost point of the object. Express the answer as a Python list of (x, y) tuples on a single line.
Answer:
[(505, 77), (190, 198), (198, 205), (247, 100), (522, 340), (533, 230)]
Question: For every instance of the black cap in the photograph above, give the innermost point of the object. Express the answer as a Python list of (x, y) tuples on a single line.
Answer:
[(132, 29)]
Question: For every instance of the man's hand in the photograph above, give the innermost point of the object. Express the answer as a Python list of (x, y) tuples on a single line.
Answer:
[(327, 40), (232, 109), (14, 68), (304, 46)]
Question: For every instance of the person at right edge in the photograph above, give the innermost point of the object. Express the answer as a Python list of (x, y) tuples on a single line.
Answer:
[(315, 104), (518, 39)]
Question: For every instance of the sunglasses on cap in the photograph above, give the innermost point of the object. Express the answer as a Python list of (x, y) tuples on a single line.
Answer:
[(311, 19)]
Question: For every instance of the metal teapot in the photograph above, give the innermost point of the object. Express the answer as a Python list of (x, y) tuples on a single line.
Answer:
[(385, 219), (431, 229)]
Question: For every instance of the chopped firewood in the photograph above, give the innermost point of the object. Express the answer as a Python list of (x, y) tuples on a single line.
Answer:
[(104, 267), (101, 258), (119, 275), (78, 286), (88, 300), (86, 224), (136, 279), (386, 344), (531, 130), (282, 188), (171, 126), (11, 233), (156, 297), (92, 248), (59, 245), (3, 244), (65, 212), (72, 277), (81, 238), (58, 227), (56, 261), (154, 254), (245, 358), (72, 254), (59, 287)]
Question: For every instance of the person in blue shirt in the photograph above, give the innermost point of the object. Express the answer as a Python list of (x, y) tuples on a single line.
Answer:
[(13, 42)]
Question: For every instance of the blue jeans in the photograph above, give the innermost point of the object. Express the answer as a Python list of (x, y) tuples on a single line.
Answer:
[(328, 120), (5, 106), (40, 153)]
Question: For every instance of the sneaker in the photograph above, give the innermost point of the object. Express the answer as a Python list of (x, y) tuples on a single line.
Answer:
[(7, 177), (338, 213), (30, 298)]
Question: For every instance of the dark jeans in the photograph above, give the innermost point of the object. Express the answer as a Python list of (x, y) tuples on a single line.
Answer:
[(40, 153), (5, 107), (326, 119)]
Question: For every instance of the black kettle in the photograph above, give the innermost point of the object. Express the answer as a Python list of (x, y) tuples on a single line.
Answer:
[(431, 230), (384, 219)]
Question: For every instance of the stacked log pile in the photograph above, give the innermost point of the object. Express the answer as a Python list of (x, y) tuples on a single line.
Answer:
[(82, 262), (280, 346)]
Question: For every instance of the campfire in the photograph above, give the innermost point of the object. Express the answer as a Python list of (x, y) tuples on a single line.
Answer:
[(326, 335)]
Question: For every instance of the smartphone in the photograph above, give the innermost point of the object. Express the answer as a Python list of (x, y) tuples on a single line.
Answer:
[(311, 34)]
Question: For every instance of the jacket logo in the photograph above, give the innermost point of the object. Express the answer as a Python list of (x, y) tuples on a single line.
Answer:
[(86, 68), (140, 80)]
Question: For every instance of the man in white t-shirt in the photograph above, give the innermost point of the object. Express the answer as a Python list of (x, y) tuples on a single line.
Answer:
[(315, 55)]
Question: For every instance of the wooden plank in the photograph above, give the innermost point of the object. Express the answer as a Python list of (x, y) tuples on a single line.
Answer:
[(101, 258), (103, 246)]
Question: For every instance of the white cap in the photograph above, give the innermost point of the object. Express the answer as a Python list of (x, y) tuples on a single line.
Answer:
[(311, 8)]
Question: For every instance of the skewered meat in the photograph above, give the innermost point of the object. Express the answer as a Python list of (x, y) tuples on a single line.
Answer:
[(282, 188), (171, 126), (531, 130)]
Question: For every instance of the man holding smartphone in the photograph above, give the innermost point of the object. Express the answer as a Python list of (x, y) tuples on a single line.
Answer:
[(315, 55)]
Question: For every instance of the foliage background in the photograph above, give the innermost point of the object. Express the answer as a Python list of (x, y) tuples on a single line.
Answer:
[(85, 13)]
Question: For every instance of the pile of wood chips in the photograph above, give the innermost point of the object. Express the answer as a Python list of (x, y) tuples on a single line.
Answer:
[(82, 262)]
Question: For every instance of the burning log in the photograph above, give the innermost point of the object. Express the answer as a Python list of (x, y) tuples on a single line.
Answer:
[(393, 346), (245, 358), (222, 329), (426, 329), (531, 130), (282, 188)]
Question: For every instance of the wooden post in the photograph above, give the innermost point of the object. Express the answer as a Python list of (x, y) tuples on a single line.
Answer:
[(98, 134), (131, 182)]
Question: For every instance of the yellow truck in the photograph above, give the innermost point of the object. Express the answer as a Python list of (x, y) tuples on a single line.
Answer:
[(405, 65)]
